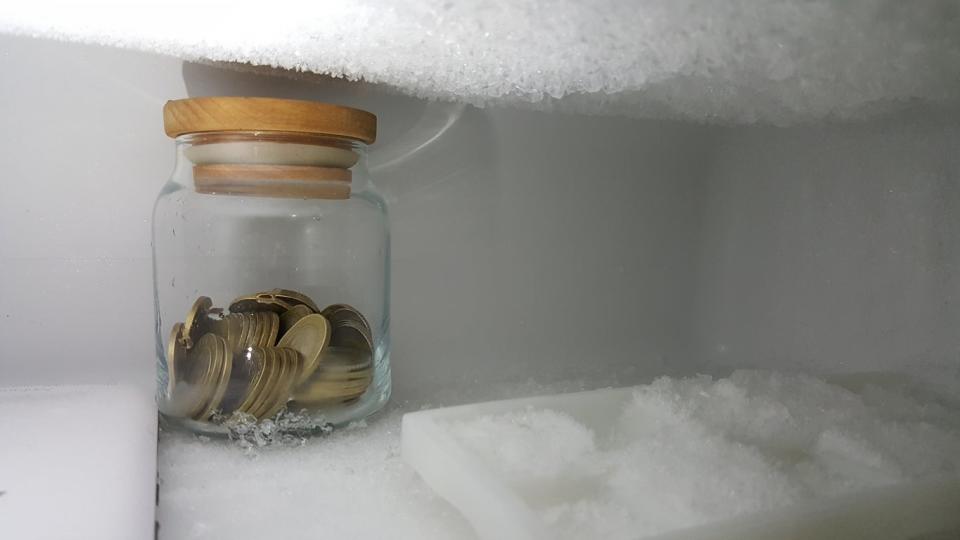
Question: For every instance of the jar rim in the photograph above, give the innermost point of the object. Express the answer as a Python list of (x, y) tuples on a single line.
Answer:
[(267, 115), (288, 137)]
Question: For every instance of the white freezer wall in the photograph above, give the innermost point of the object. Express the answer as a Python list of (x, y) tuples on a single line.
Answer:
[(833, 248), (526, 245)]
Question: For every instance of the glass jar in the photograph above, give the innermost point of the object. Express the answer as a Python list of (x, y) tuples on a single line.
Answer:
[(271, 254)]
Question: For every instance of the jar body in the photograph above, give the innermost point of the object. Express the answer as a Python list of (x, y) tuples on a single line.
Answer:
[(228, 245)]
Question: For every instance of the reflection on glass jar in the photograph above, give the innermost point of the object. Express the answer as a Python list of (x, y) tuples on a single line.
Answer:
[(271, 269)]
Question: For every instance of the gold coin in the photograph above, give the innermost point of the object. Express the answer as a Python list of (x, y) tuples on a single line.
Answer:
[(219, 327), (247, 322), (272, 372), (309, 337), (246, 370), (190, 392), (269, 328), (349, 328), (362, 375), (259, 302), (196, 322), (295, 358), (343, 361), (231, 328), (256, 359), (293, 298), (273, 393), (209, 383), (349, 333), (326, 391), (344, 374), (250, 330), (285, 381), (339, 389), (221, 380), (209, 350), (257, 327), (329, 392), (328, 376), (337, 313), (274, 331), (266, 396), (175, 355), (290, 317)]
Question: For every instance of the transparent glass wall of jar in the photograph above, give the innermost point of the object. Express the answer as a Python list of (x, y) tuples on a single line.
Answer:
[(271, 280)]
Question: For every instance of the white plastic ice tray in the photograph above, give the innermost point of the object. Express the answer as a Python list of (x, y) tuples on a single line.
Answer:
[(499, 510)]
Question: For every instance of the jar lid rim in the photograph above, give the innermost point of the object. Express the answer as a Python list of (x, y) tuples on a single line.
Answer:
[(229, 113)]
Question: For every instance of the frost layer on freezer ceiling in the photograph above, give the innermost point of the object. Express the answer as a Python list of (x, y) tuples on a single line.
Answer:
[(777, 61), (706, 449)]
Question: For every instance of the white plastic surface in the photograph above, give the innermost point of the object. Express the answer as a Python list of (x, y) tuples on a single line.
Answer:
[(77, 462), (505, 506), (494, 509)]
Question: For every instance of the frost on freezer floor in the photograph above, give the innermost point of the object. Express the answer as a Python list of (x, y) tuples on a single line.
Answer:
[(351, 484), (677, 453)]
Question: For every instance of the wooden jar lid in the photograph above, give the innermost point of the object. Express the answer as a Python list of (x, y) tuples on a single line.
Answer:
[(286, 181), (206, 114)]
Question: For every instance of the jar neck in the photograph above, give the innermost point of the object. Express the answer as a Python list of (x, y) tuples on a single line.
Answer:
[(270, 164)]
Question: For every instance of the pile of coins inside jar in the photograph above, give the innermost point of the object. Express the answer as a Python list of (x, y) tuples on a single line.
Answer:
[(270, 348)]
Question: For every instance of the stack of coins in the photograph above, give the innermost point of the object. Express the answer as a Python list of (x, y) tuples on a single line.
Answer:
[(270, 347)]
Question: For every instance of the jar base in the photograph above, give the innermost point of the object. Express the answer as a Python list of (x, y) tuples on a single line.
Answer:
[(284, 427)]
